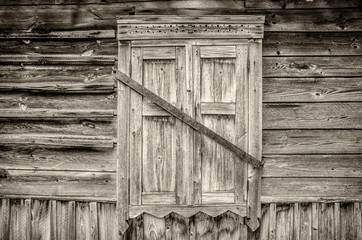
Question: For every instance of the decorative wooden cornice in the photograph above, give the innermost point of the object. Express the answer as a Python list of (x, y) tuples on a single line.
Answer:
[(175, 27)]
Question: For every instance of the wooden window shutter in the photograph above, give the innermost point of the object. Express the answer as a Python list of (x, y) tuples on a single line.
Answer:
[(209, 69)]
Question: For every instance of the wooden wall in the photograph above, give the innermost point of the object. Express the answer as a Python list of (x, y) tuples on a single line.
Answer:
[(58, 110)]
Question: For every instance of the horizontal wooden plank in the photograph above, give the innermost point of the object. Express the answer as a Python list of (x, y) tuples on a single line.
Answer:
[(312, 43), (312, 89), (187, 211), (42, 113), (57, 59), (154, 198), (217, 108), (217, 197), (311, 20), (310, 189), (58, 47), (337, 115), (76, 34), (59, 141), (218, 52), (312, 66), (312, 166), (56, 78), (285, 4), (28, 157), (69, 126), (46, 101), (312, 141), (58, 184), (159, 53)]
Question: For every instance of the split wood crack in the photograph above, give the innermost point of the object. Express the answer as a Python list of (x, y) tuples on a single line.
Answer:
[(241, 154)]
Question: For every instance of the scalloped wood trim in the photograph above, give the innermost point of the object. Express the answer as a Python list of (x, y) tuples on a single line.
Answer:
[(161, 211)]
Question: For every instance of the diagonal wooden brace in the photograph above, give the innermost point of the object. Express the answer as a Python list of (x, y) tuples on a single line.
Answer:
[(242, 155)]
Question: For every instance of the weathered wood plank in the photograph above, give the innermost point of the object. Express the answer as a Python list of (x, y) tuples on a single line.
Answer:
[(312, 166), (40, 216), (311, 141), (61, 78), (286, 4), (73, 126), (29, 101), (312, 115), (312, 66), (106, 221), (76, 185), (311, 20), (312, 89), (59, 141), (66, 220), (312, 43), (347, 230), (311, 189), (305, 221), (20, 219), (5, 218), (86, 220), (42, 158), (56, 34)]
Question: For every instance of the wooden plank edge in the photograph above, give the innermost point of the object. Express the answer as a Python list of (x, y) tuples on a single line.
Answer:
[(310, 199)]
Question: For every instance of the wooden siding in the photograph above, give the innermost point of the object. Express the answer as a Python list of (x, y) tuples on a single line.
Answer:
[(50, 219), (55, 87)]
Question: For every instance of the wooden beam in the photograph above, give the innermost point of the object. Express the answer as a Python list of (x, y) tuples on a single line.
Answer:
[(242, 155)]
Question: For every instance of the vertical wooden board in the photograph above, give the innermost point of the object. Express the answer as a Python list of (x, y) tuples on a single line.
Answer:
[(107, 224), (218, 163), (205, 227), (296, 221), (40, 215), (86, 220), (305, 221), (283, 220), (159, 134), (264, 223), (180, 227), (154, 228), (66, 220), (322, 221), (5, 218), (337, 221), (135, 231), (53, 219), (229, 226), (184, 142), (241, 120), (347, 221), (315, 212), (20, 219), (198, 149), (255, 129), (136, 130), (357, 220), (272, 221), (123, 138)]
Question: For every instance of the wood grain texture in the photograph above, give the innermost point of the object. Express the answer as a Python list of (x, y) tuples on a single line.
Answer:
[(86, 220), (312, 44), (312, 115), (285, 4), (312, 89), (311, 141), (56, 34), (312, 66), (312, 166), (20, 221), (41, 213), (81, 185), (311, 20), (56, 78), (306, 189), (48, 158)]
